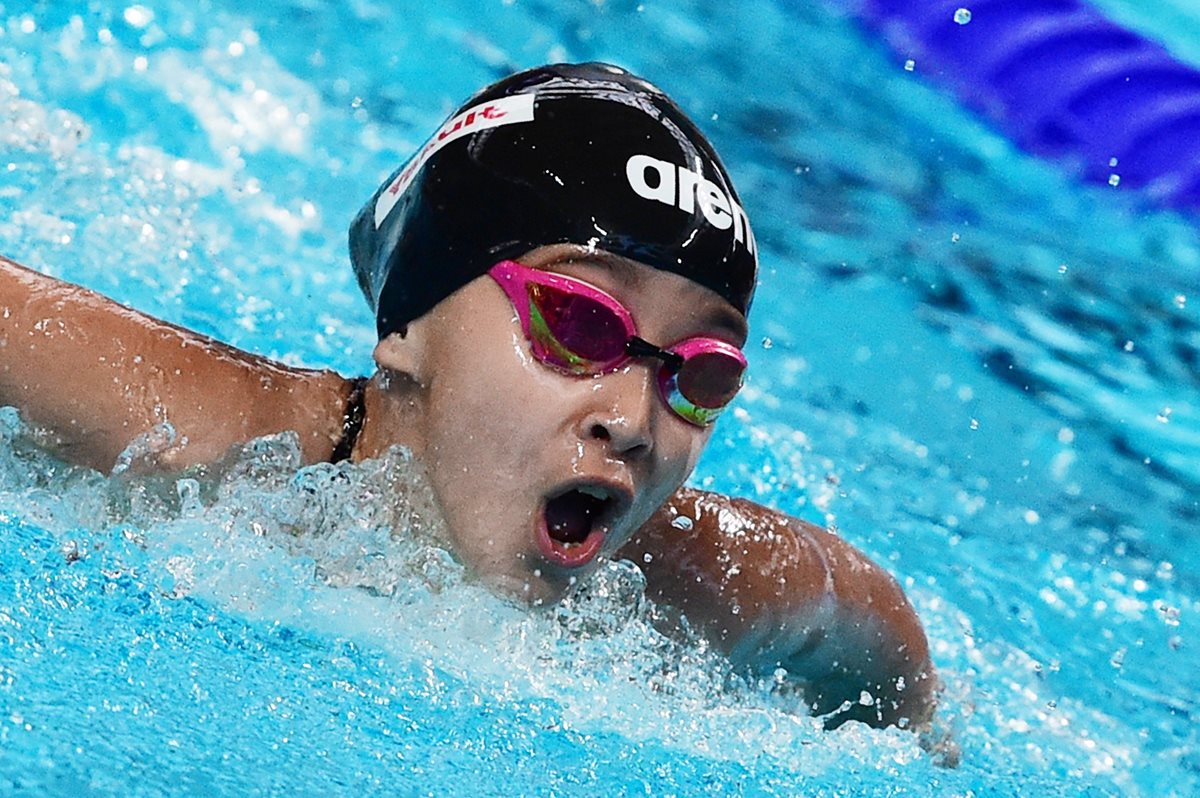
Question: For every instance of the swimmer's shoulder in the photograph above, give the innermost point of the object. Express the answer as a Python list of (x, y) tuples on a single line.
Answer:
[(771, 590)]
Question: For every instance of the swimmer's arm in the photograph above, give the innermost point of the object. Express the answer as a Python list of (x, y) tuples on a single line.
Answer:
[(773, 591), (95, 375)]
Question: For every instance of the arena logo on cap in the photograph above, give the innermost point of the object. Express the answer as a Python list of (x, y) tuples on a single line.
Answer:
[(494, 113), (679, 186)]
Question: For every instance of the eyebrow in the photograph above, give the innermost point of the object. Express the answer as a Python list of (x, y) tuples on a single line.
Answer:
[(729, 319)]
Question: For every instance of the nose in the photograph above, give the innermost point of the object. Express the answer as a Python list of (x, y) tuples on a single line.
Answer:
[(622, 415)]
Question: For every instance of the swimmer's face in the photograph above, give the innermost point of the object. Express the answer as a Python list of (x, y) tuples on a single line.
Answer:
[(539, 473)]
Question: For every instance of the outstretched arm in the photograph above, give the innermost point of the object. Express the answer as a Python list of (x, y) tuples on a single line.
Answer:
[(96, 375), (774, 591)]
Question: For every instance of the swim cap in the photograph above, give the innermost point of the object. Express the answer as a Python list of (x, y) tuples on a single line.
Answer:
[(570, 153)]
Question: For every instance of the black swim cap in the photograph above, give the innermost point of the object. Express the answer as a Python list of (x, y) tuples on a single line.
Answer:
[(586, 154)]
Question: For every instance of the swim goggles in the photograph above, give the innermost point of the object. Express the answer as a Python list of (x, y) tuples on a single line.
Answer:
[(576, 328)]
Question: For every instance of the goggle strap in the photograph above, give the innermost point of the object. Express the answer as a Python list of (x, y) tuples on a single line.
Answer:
[(638, 347)]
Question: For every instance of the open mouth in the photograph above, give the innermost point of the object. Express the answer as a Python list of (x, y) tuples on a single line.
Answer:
[(574, 524)]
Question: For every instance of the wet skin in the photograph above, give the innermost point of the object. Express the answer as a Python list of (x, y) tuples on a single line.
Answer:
[(499, 433)]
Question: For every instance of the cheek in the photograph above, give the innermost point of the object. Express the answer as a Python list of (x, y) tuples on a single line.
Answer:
[(690, 441), (480, 407), (699, 439), (678, 451)]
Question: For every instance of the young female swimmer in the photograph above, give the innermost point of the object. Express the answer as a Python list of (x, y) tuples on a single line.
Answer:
[(561, 278)]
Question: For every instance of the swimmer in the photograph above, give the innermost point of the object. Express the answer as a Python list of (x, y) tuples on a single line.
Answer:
[(560, 279)]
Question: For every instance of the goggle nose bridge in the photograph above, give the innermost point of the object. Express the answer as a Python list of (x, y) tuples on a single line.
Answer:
[(639, 347)]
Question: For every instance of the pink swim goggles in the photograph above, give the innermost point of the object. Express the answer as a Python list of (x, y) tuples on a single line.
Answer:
[(576, 328)]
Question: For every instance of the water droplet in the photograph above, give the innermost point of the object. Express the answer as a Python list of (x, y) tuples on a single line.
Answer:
[(138, 16), (910, 65), (962, 16), (1114, 179), (682, 522), (767, 343)]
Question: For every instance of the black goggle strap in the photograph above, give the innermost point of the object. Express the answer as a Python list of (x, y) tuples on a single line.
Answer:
[(638, 347)]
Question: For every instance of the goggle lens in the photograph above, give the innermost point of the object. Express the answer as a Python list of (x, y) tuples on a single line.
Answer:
[(706, 381), (575, 332), (710, 380)]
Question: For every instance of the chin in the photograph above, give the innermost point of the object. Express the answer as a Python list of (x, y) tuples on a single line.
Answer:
[(529, 589)]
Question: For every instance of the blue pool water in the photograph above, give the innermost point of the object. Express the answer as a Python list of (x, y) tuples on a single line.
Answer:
[(981, 373)]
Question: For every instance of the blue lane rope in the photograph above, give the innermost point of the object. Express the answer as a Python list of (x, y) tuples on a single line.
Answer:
[(1062, 81)]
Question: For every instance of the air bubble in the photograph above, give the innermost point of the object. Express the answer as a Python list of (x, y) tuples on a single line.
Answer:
[(974, 423), (1114, 180), (962, 16), (767, 343), (1180, 301), (1164, 415), (910, 65), (189, 496), (682, 522), (1170, 615)]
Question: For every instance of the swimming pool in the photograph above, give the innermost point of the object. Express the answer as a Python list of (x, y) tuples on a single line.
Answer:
[(983, 374)]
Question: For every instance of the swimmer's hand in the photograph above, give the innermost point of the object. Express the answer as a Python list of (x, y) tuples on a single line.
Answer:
[(775, 592)]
